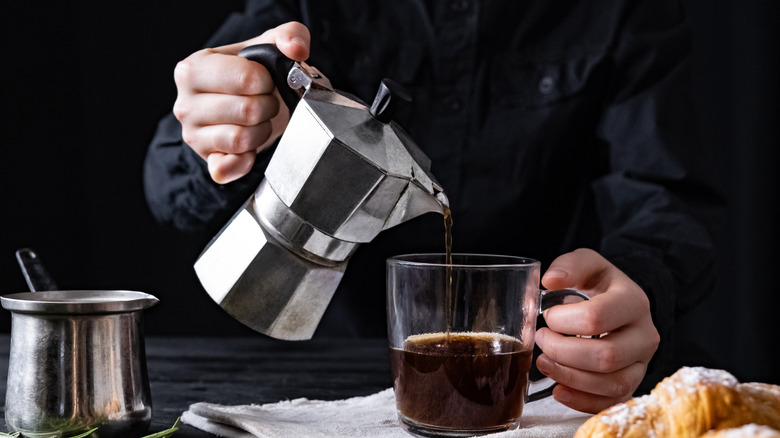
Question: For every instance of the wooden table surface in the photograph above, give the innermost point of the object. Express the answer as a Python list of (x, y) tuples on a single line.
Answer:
[(243, 370)]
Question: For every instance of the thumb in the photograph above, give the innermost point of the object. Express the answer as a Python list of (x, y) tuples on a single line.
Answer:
[(293, 40), (225, 168), (582, 269)]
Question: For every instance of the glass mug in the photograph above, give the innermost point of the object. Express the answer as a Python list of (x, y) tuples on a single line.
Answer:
[(464, 372)]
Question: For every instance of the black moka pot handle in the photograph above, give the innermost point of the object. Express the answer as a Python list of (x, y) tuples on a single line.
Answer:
[(270, 57)]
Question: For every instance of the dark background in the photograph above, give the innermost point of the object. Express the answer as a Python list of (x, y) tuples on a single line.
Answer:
[(83, 84)]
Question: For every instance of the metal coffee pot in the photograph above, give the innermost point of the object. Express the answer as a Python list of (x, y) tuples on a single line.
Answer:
[(77, 359), (341, 173)]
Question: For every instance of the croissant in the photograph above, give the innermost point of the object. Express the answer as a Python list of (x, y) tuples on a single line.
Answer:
[(691, 402), (747, 431)]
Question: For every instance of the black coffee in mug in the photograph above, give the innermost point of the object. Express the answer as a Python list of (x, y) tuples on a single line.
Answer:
[(461, 380), (461, 334)]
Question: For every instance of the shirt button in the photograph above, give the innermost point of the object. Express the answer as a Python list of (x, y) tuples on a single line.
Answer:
[(547, 85), (363, 60), (452, 104), (459, 5)]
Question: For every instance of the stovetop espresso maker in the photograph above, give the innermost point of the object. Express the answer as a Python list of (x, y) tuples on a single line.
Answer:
[(341, 173)]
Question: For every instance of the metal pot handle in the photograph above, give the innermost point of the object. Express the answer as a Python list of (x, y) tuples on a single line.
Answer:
[(550, 299)]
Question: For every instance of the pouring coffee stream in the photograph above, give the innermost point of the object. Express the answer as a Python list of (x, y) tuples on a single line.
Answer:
[(448, 302), (341, 173)]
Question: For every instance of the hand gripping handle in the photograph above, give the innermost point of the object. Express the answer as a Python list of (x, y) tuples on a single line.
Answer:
[(278, 65)]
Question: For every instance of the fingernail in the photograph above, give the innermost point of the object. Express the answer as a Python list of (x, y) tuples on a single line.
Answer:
[(544, 365), (555, 273), (539, 337)]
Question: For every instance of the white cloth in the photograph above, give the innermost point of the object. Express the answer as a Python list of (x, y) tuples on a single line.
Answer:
[(371, 416)]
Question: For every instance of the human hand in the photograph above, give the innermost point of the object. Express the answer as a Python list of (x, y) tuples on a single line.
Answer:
[(593, 374), (228, 106)]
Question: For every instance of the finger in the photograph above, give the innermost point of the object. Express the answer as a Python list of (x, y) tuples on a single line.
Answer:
[(619, 383), (230, 139), (218, 70), (213, 109), (293, 40), (582, 269), (225, 168), (583, 401), (613, 352), (207, 71), (603, 313)]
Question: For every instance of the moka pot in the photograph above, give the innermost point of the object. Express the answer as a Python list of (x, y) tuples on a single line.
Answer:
[(341, 173)]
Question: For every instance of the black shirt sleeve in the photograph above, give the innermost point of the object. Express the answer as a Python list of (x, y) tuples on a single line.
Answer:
[(657, 204), (178, 188)]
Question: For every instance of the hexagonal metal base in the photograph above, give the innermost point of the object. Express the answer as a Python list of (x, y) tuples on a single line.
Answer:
[(263, 284)]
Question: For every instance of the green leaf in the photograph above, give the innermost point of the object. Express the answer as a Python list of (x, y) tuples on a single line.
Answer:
[(167, 432), (162, 434), (85, 434), (17, 434)]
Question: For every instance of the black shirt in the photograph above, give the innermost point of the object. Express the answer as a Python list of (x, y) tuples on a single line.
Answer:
[(551, 125)]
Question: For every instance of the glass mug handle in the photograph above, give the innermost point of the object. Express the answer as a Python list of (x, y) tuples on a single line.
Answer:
[(549, 299)]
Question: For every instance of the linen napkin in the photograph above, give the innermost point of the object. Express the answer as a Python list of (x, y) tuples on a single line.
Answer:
[(370, 416)]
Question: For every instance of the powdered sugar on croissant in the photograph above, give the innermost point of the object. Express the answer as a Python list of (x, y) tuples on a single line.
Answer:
[(747, 431), (689, 403)]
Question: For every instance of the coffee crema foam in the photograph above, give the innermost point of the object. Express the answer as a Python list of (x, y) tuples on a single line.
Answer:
[(433, 339)]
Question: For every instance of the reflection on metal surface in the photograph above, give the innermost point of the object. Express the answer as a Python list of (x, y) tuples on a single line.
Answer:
[(73, 367), (341, 173)]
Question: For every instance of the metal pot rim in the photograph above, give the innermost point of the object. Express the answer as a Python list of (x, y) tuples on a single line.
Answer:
[(78, 301)]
